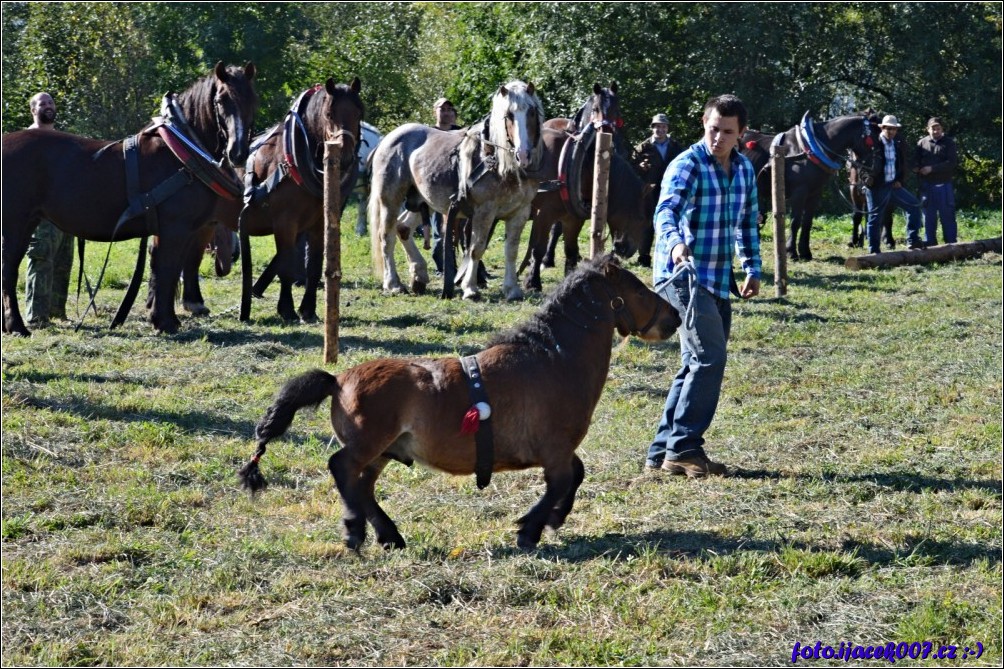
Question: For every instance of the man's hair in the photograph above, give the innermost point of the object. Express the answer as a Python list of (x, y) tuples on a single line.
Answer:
[(727, 105)]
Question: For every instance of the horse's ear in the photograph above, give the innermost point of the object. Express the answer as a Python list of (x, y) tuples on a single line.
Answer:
[(356, 85), (613, 87), (503, 91), (221, 71), (597, 89), (249, 70), (530, 90), (329, 86)]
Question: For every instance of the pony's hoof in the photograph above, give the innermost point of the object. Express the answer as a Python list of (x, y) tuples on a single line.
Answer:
[(526, 543), (391, 544)]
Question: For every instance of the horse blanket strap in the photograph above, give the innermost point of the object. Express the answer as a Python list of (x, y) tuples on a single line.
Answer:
[(478, 421), (145, 203)]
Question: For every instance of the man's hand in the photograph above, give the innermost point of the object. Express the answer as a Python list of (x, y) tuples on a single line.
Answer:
[(751, 287), (680, 253)]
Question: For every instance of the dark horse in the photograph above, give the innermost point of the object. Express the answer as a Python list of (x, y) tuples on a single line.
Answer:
[(626, 215), (543, 380), (813, 152), (80, 185)]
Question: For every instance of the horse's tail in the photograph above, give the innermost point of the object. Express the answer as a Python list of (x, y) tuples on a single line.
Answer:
[(308, 389), (374, 212)]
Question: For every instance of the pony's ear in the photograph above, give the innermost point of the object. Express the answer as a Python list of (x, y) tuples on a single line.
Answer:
[(221, 71), (249, 70), (356, 85), (329, 86), (597, 89), (503, 91), (613, 87)]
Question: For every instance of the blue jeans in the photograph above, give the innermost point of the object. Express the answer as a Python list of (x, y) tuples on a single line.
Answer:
[(693, 396), (881, 198), (436, 221), (938, 200)]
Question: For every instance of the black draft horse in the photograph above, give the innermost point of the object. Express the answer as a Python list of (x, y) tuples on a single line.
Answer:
[(80, 185)]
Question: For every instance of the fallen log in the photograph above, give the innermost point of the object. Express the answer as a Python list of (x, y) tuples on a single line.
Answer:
[(932, 254)]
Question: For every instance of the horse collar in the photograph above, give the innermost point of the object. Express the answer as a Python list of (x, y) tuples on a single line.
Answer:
[(814, 150), (174, 130), (297, 146)]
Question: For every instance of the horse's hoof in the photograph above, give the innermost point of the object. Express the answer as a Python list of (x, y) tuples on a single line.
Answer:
[(514, 295), (196, 308), (392, 543), (418, 287), (548, 261), (473, 296), (792, 256), (525, 543), (353, 543), (309, 318)]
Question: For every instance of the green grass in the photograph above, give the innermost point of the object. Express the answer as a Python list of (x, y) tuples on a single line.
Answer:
[(862, 414)]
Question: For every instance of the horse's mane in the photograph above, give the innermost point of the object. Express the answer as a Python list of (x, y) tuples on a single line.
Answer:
[(315, 117), (518, 101), (536, 336)]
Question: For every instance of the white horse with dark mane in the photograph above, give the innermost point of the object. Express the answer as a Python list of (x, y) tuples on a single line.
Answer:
[(489, 171)]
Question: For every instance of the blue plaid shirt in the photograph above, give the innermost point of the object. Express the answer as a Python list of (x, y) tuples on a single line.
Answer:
[(701, 208)]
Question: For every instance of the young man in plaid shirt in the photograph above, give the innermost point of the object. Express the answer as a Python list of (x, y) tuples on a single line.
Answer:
[(707, 212)]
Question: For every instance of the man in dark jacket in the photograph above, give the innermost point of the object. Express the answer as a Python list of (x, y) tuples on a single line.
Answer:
[(937, 160), (651, 158), (884, 188)]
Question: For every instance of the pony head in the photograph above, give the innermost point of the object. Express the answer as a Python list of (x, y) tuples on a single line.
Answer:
[(516, 124)]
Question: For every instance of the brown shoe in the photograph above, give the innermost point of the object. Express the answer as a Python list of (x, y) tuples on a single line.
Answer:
[(695, 467)]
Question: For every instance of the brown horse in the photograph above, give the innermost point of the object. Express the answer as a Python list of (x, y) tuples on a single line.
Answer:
[(626, 215), (80, 185), (543, 381)]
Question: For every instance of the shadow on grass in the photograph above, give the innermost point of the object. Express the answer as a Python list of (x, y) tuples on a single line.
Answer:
[(698, 545), (907, 482)]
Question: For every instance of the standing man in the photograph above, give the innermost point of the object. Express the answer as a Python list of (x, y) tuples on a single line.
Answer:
[(707, 212), (50, 251), (446, 119), (884, 189), (937, 160), (651, 158)]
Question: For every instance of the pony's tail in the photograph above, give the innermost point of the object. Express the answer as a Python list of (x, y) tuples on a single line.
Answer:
[(374, 211), (308, 389)]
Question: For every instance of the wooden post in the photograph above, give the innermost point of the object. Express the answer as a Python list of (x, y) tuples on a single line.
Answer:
[(332, 246), (601, 186), (780, 258), (942, 253)]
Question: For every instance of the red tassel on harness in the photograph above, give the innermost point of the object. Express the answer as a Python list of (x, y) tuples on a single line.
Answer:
[(472, 419), (751, 145)]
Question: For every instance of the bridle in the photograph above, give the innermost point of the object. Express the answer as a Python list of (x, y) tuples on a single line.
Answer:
[(620, 312)]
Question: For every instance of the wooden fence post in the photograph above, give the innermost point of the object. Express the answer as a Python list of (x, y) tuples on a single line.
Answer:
[(332, 247), (601, 186), (780, 257)]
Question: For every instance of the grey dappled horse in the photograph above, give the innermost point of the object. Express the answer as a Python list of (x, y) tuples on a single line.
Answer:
[(489, 169)]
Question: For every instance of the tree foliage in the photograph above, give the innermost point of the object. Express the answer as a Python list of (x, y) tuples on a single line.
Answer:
[(107, 64)]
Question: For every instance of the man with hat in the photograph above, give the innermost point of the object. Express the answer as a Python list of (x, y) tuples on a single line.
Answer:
[(651, 158), (446, 119), (937, 160), (884, 187)]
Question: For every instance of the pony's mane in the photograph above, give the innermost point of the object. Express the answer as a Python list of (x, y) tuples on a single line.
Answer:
[(536, 336)]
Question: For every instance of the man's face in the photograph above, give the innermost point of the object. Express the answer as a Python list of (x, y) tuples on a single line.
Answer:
[(721, 134), (889, 132), (659, 131), (446, 115), (45, 109), (937, 132)]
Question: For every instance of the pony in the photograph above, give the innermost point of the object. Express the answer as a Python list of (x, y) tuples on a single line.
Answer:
[(488, 172), (626, 215), (80, 184), (284, 189), (813, 153), (542, 381)]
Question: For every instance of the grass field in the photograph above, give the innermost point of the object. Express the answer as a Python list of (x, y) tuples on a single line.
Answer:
[(862, 414)]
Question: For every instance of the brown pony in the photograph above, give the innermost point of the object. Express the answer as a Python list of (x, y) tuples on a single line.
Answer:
[(80, 185), (543, 381)]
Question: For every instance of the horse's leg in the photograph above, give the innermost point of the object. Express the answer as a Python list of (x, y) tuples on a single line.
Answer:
[(535, 252), (797, 210), (191, 295), (513, 232), (857, 218), (564, 506), (16, 236), (386, 531), (166, 260), (808, 213), (285, 250), (552, 244), (387, 231), (570, 231), (418, 268), (887, 235), (479, 224), (558, 480), (315, 265), (347, 474)]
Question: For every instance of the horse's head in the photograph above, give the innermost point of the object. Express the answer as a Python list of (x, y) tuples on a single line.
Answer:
[(630, 207), (234, 103), (516, 124), (866, 144), (638, 310), (338, 113), (604, 109)]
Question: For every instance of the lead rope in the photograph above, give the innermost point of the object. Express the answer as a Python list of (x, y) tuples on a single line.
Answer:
[(687, 267)]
